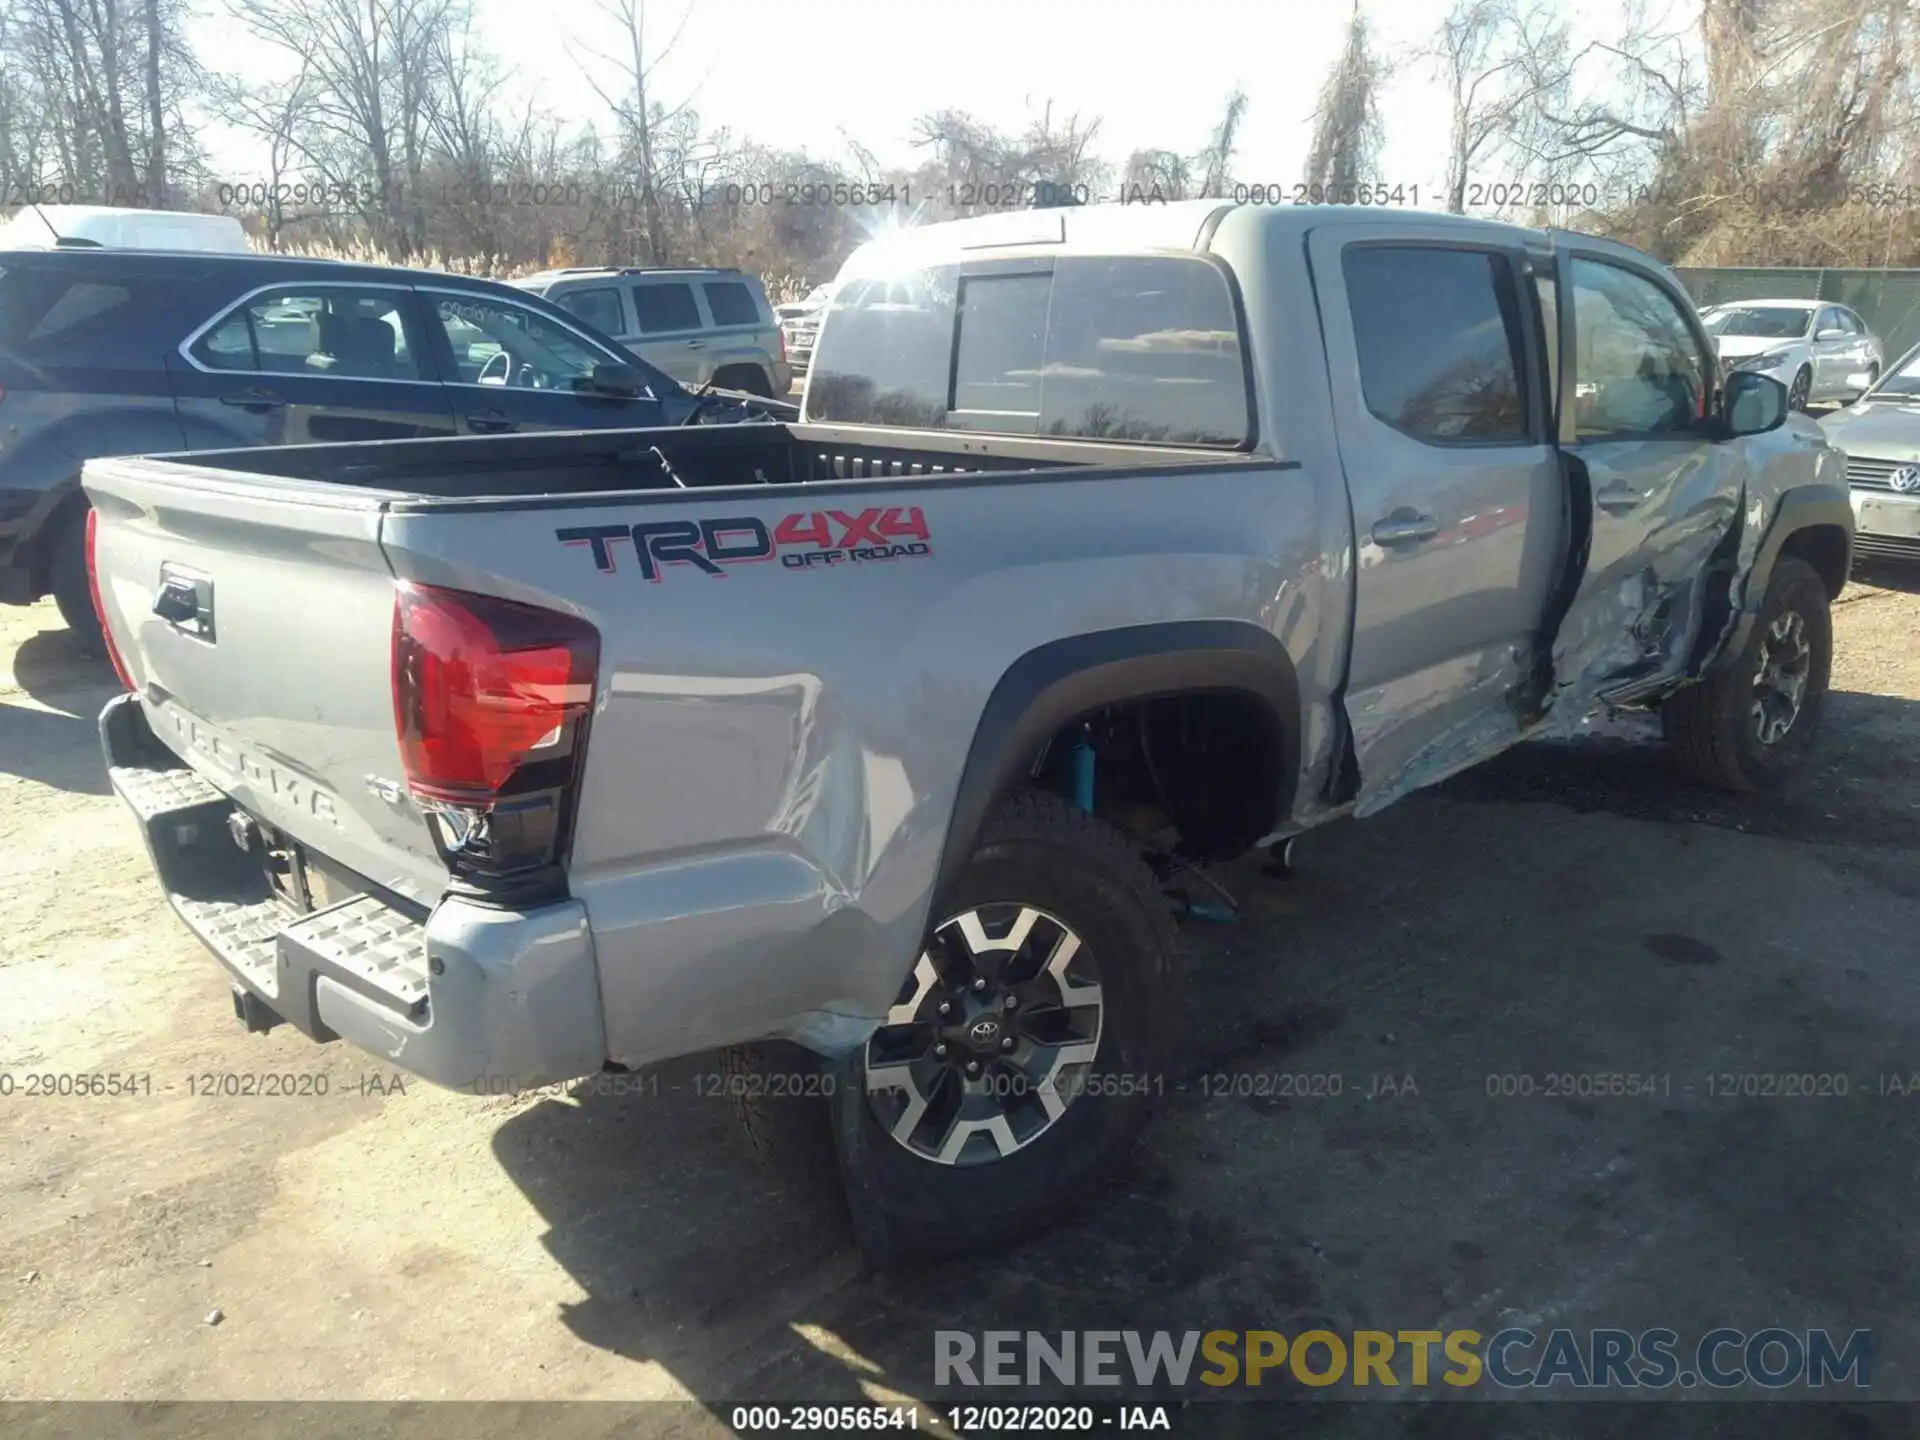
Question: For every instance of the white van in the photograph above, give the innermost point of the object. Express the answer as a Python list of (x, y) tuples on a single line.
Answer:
[(44, 227)]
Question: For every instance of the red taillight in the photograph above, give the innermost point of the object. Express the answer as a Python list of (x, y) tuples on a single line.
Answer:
[(483, 687), (93, 588)]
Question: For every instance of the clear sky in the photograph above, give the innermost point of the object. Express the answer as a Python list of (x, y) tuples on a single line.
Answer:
[(799, 74)]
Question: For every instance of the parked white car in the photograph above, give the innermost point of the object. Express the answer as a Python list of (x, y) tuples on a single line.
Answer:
[(1811, 347), (49, 227)]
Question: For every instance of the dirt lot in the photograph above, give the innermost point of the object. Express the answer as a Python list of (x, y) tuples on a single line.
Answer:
[(1572, 909)]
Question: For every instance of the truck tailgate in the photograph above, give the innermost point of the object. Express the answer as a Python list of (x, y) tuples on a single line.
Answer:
[(255, 616)]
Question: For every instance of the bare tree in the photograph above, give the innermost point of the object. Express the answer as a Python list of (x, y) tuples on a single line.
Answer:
[(1347, 133), (641, 116), (1217, 159), (1612, 107), (88, 92), (1154, 175), (272, 113), (372, 67), (972, 166), (1502, 62)]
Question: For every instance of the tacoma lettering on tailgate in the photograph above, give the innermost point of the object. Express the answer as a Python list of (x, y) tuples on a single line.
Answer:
[(804, 541), (263, 775)]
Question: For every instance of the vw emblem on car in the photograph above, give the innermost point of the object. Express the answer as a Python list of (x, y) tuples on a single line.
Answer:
[(1906, 479)]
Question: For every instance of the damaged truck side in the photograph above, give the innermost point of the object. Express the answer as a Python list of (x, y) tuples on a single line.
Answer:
[(1112, 541)]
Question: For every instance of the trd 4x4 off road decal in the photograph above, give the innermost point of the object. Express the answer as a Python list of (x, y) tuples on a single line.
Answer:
[(800, 542)]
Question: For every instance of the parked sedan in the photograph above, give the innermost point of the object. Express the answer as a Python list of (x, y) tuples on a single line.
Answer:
[(1881, 436), (128, 352), (1811, 347)]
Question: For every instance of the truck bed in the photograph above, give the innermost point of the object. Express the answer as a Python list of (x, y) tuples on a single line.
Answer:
[(703, 457)]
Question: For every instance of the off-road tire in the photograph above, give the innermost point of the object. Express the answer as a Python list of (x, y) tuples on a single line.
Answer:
[(778, 1096), (1710, 726), (72, 592), (1039, 851)]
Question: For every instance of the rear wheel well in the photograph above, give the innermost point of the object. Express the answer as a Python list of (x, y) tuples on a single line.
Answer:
[(1825, 548), (1196, 772), (751, 378)]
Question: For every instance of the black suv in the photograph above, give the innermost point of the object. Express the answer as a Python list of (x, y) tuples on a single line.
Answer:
[(118, 352)]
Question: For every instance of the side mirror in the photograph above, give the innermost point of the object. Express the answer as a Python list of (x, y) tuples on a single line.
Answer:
[(612, 378), (1832, 332), (1755, 403)]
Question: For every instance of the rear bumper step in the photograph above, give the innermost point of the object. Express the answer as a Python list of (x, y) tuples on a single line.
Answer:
[(471, 997), (359, 943)]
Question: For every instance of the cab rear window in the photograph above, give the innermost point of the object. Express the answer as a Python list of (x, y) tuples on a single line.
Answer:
[(1135, 348)]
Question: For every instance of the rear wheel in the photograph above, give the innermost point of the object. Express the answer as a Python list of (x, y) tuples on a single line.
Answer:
[(72, 591), (1750, 722), (1025, 1051)]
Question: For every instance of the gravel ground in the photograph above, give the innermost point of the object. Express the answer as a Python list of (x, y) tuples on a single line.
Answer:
[(1564, 909)]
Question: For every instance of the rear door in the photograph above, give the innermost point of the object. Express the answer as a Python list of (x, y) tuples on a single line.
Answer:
[(1439, 383), (82, 373), (309, 362), (1859, 349), (1639, 428), (512, 368), (1833, 357), (670, 329)]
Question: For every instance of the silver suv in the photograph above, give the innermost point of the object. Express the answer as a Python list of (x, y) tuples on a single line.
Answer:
[(702, 326)]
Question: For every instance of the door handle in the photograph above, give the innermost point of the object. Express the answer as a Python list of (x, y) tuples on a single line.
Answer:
[(1618, 499), (1405, 527), (696, 344), (254, 400), (177, 603), (492, 422)]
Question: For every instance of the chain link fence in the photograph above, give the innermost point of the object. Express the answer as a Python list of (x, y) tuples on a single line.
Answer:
[(1888, 300)]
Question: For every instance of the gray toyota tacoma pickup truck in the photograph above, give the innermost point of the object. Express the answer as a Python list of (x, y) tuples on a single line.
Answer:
[(1113, 542)]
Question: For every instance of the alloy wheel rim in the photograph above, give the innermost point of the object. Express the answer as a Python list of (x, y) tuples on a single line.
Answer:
[(993, 1037), (1780, 677)]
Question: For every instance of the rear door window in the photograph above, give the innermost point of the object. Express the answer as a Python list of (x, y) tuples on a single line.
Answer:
[(319, 331), (1441, 342), (730, 302), (599, 307), (665, 308), (1141, 348)]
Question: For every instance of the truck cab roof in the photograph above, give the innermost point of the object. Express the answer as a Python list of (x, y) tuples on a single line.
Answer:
[(1131, 226)]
